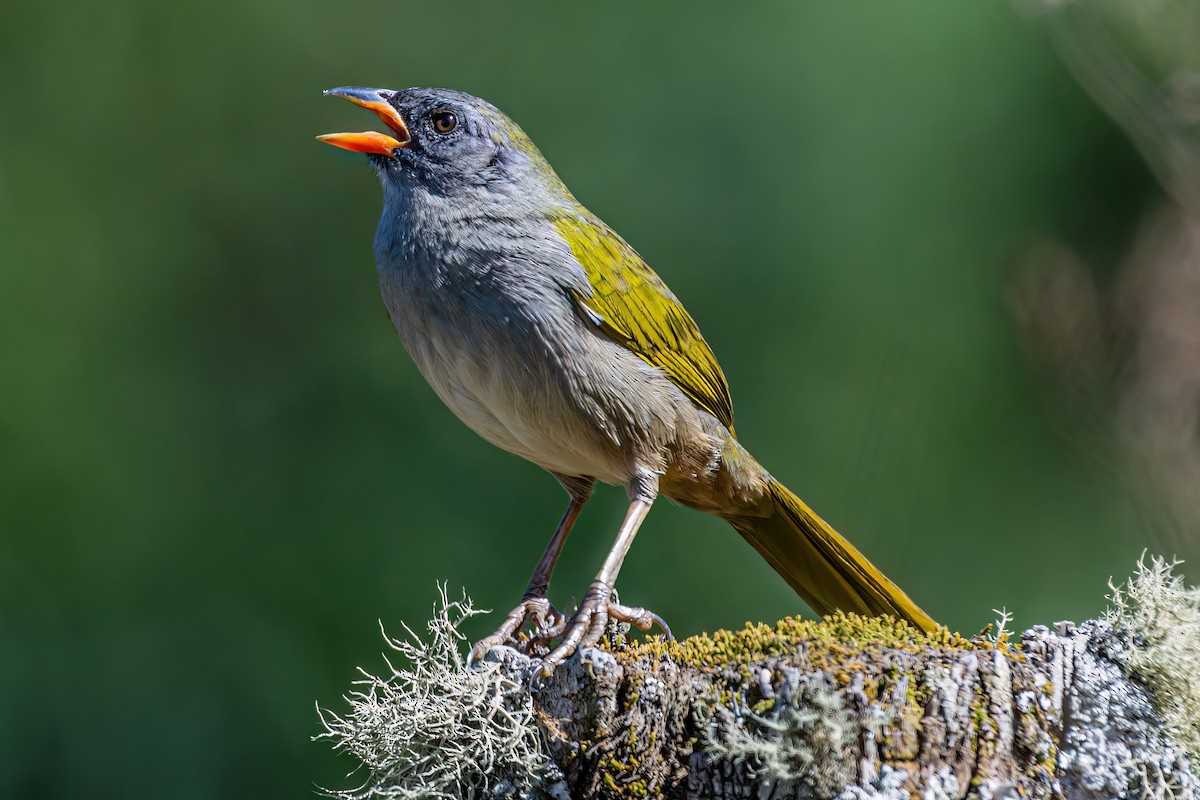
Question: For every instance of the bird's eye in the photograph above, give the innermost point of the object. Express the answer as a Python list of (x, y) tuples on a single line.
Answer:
[(444, 121)]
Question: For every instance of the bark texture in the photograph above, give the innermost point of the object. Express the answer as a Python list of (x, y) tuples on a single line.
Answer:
[(1050, 716), (846, 707)]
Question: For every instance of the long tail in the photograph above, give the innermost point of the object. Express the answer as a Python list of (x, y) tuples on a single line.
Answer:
[(824, 569)]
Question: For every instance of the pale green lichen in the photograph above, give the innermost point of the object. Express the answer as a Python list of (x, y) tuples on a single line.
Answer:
[(1162, 616), (1153, 783), (436, 728), (804, 739)]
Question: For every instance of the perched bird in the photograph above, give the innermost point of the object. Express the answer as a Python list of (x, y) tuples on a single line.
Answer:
[(550, 337)]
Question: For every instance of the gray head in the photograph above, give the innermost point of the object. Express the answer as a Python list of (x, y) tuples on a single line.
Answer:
[(447, 143)]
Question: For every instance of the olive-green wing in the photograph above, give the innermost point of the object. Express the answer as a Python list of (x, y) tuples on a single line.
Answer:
[(633, 306)]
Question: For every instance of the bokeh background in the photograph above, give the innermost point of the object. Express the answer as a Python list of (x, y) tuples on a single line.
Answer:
[(219, 470)]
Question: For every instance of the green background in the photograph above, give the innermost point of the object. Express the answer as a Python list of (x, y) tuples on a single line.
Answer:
[(218, 468)]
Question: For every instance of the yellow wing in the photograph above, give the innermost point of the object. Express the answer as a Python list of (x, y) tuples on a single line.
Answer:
[(633, 306)]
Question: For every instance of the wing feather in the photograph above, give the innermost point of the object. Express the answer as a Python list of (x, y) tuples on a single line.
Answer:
[(633, 306)]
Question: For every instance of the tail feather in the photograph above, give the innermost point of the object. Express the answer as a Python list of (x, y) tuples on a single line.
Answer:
[(822, 566)]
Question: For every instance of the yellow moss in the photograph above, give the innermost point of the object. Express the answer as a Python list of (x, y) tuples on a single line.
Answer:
[(634, 788), (978, 714), (581, 749), (840, 636), (763, 706)]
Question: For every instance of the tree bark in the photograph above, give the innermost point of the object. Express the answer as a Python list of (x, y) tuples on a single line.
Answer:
[(1050, 716)]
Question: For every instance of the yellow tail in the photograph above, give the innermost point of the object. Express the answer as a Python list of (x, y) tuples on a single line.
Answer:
[(824, 569)]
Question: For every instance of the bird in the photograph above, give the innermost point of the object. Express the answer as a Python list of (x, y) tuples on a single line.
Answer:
[(549, 336)]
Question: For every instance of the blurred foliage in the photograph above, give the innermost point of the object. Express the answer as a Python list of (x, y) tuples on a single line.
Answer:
[(218, 468)]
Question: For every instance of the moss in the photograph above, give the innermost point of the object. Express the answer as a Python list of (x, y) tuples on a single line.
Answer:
[(763, 706), (838, 638), (1048, 760), (615, 777), (978, 713), (845, 648)]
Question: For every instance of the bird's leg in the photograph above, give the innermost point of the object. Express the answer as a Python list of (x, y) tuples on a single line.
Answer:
[(534, 607), (587, 625)]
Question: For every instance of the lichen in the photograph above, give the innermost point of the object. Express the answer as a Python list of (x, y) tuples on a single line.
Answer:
[(803, 738), (1162, 616), (436, 728)]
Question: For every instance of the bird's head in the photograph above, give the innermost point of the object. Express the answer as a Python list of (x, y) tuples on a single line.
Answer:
[(446, 142)]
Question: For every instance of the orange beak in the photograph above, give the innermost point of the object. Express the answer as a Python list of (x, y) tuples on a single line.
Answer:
[(376, 101)]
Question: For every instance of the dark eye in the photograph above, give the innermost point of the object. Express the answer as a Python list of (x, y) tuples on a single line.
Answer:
[(444, 121)]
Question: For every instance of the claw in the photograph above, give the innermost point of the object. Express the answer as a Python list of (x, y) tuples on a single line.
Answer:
[(586, 627), (534, 611), (640, 618)]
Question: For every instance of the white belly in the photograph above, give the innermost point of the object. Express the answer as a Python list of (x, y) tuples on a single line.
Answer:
[(522, 409)]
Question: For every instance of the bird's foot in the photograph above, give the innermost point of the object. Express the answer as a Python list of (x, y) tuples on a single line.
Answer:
[(585, 628), (535, 611)]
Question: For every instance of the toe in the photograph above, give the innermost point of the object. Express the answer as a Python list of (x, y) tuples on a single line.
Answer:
[(640, 618), (481, 649)]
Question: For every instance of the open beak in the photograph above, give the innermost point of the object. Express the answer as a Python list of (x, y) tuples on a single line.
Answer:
[(376, 101)]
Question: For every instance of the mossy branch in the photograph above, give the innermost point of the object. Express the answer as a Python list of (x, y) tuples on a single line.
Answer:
[(846, 708)]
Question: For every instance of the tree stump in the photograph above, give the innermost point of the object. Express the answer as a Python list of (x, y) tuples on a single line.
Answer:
[(847, 707)]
